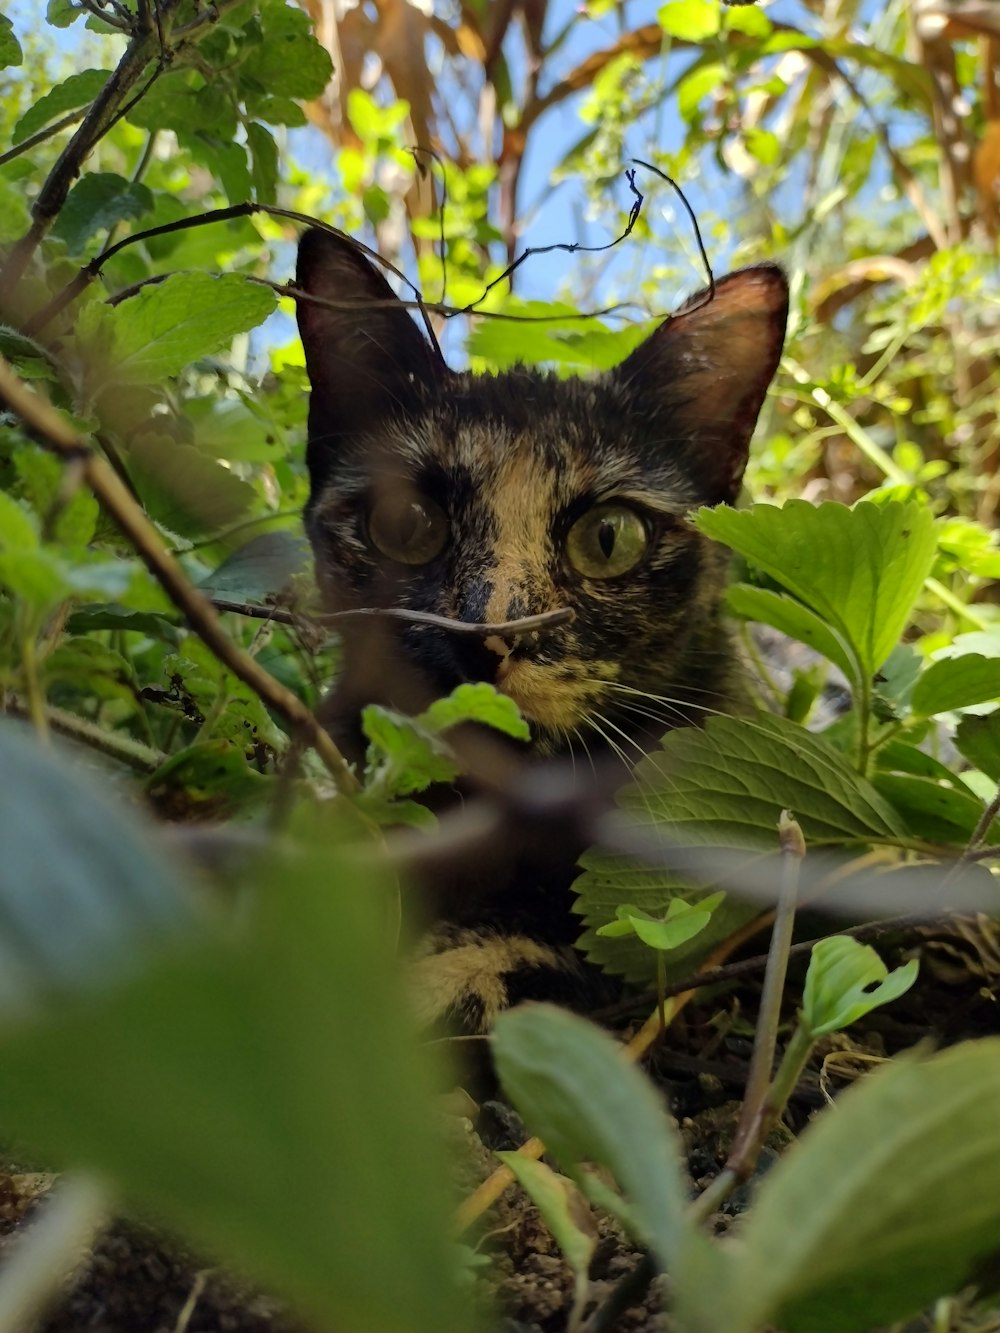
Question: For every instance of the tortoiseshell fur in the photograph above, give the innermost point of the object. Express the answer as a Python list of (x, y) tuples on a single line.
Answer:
[(514, 460)]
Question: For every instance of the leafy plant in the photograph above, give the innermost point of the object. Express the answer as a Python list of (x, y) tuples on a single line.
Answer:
[(245, 1075)]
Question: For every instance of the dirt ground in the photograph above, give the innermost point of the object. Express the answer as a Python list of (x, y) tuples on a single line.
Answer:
[(135, 1282)]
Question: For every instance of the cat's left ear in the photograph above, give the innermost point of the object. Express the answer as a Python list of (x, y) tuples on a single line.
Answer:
[(703, 374)]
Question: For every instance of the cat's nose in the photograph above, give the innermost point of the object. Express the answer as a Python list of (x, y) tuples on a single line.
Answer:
[(485, 659)]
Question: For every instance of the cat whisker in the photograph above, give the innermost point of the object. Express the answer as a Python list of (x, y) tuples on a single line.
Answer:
[(586, 749)]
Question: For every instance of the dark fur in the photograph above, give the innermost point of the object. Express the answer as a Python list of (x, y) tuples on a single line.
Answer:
[(514, 460)]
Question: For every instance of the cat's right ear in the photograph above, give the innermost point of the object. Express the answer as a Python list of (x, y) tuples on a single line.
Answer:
[(365, 356)]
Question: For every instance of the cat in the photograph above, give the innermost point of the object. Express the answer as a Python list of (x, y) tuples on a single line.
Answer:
[(487, 498)]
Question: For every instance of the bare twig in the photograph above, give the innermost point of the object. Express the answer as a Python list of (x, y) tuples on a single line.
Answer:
[(525, 625), (33, 140), (198, 610)]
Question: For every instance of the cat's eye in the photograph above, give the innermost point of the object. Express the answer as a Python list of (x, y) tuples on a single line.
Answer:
[(408, 528), (608, 540)]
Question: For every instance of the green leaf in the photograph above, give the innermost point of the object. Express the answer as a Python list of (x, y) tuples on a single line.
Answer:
[(112, 616), (691, 20), (789, 616), (574, 1088), (847, 980), (288, 61), (209, 780), (552, 332), (952, 683), (978, 740), (764, 145), (17, 530), (263, 163), (170, 324), (563, 1210), (183, 490), (83, 894), (875, 559), (476, 702), (61, 13), (747, 19), (261, 568), (43, 476), (698, 84), (934, 811), (682, 922), (77, 91), (883, 1205), (724, 787), (10, 47), (293, 1138), (403, 758), (96, 202)]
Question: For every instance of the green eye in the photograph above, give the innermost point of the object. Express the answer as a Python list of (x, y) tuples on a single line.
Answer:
[(608, 540), (407, 528)]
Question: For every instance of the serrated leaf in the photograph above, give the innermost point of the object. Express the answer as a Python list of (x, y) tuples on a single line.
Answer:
[(952, 683), (284, 1157), (978, 740), (183, 490), (476, 702), (933, 811), (10, 47), (77, 91), (883, 1205), (288, 61), (96, 202), (261, 568), (874, 562), (410, 758), (172, 323), (724, 786), (847, 980), (789, 616)]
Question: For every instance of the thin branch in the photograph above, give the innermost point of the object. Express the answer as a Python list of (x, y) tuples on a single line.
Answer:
[(34, 140), (198, 610), (142, 758), (281, 616)]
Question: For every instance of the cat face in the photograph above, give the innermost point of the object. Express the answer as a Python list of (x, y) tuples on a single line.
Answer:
[(490, 498)]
